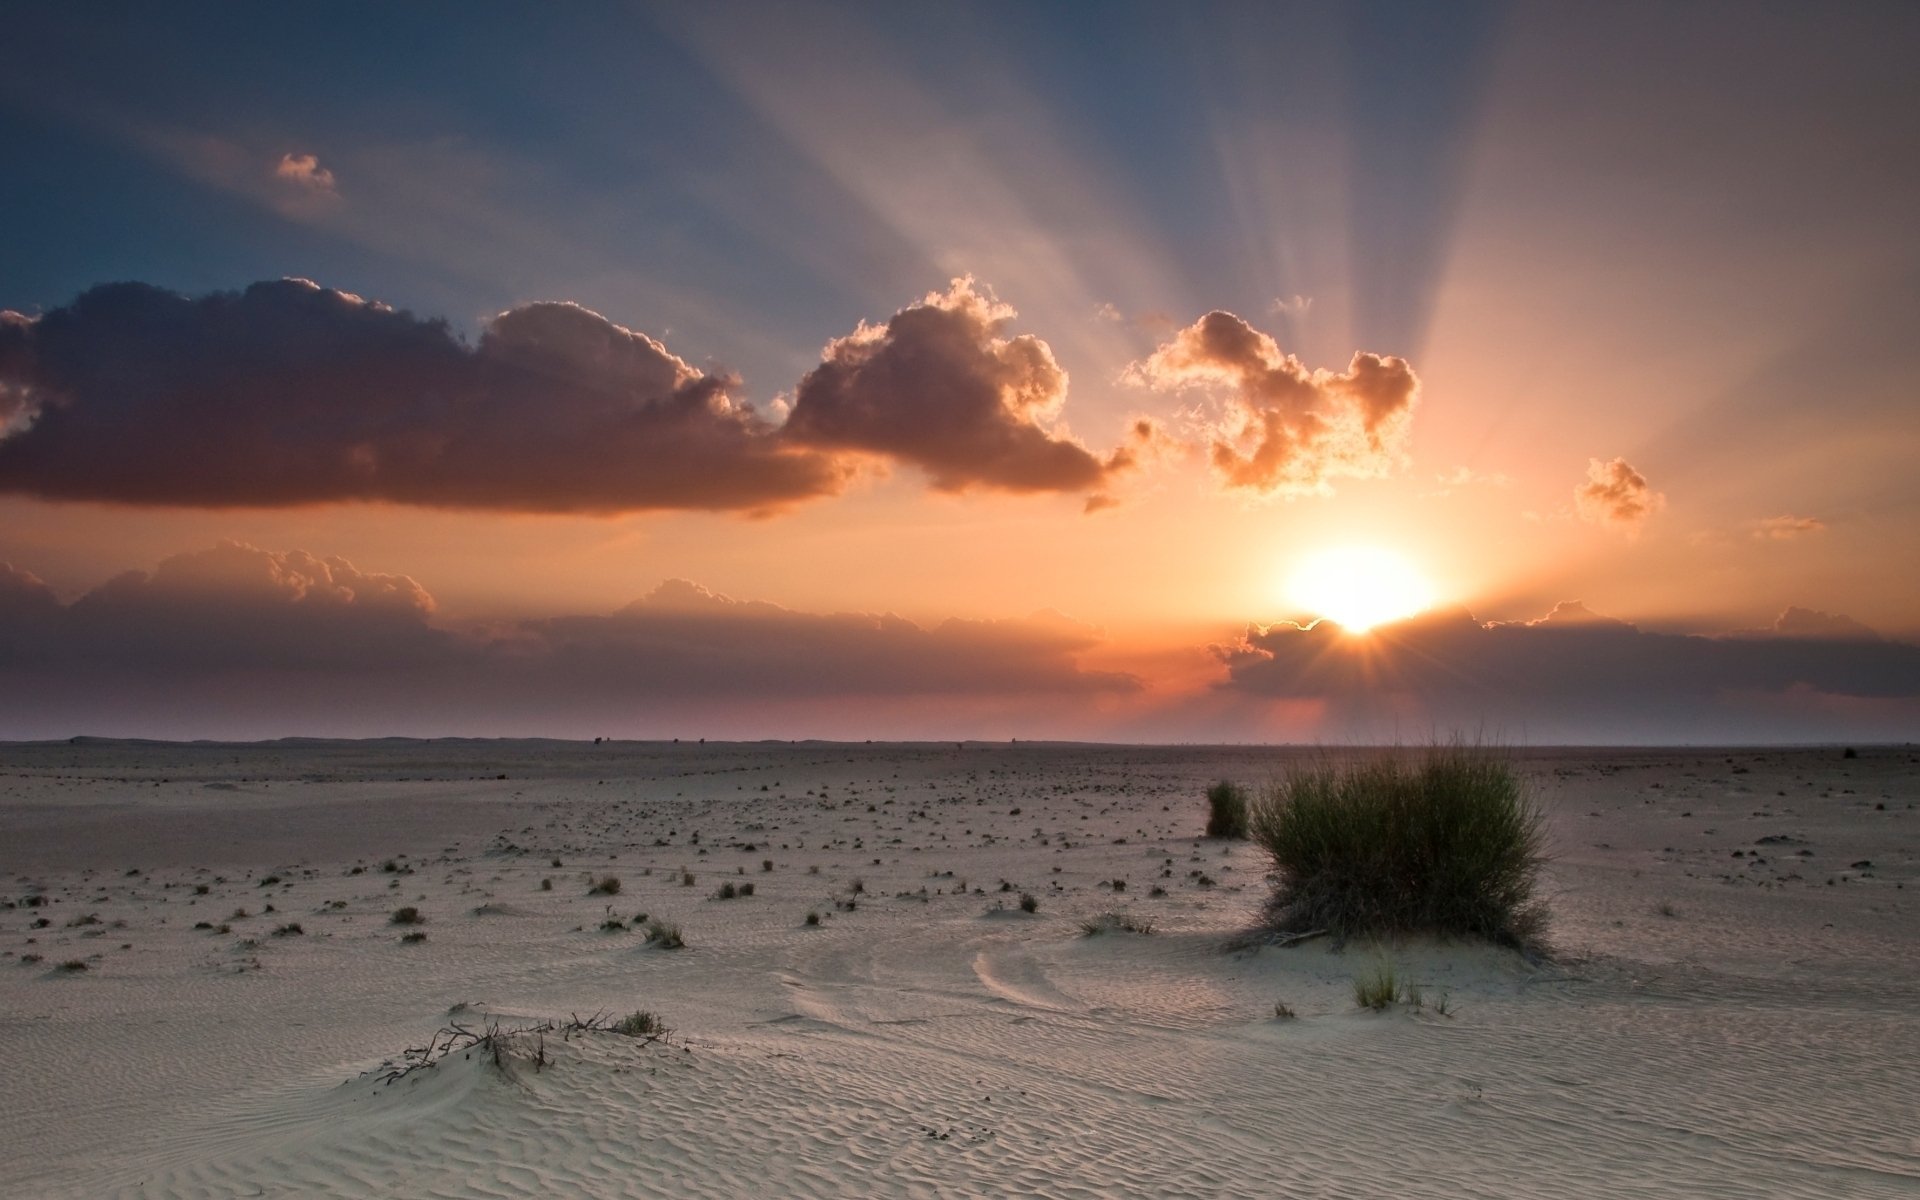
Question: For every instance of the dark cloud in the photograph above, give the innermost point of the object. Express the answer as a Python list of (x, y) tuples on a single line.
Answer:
[(1615, 494), (233, 607), (288, 393), (1572, 673), (939, 387), (1811, 623), (686, 640), (1289, 431), (237, 640)]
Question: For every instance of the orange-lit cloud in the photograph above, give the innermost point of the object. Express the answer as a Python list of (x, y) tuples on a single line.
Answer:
[(1784, 528), (1288, 431), (1617, 495), (304, 171), (939, 387), (289, 393)]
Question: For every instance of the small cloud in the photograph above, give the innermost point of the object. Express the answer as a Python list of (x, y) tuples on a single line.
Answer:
[(1615, 494), (1461, 477), (1295, 305), (1286, 430), (1785, 528), (1098, 502), (1107, 312), (304, 171)]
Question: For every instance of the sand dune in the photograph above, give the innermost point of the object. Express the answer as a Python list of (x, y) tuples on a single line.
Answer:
[(1728, 1013)]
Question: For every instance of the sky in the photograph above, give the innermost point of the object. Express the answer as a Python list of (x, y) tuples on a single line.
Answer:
[(1126, 372)]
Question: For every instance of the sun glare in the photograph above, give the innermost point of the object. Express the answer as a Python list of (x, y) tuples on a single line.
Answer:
[(1358, 587)]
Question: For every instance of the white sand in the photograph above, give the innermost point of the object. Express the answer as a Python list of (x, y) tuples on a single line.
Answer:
[(1758, 1041)]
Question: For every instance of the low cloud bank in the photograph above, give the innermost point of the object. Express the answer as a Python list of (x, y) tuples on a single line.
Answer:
[(1577, 675), (239, 641)]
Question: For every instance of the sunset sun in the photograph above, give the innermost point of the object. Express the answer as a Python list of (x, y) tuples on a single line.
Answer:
[(1358, 587)]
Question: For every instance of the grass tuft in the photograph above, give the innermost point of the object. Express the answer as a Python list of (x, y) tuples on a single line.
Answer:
[(664, 934), (1449, 844), (1226, 810), (641, 1025), (606, 885), (408, 916), (1378, 988), (1114, 922)]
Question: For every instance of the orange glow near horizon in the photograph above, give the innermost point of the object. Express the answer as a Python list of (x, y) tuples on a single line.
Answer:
[(1359, 587)]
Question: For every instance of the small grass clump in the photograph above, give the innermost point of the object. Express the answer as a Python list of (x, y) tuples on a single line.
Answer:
[(414, 938), (641, 1025), (1447, 844), (664, 934), (1226, 810), (1378, 988), (408, 916), (1028, 903), (1114, 922), (606, 885)]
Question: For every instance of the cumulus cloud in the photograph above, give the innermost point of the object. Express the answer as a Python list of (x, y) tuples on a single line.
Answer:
[(940, 386), (1571, 673), (1617, 495), (1288, 431), (1786, 527), (288, 393), (236, 639)]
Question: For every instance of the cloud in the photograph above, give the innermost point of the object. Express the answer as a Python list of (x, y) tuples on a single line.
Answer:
[(1784, 528), (304, 171), (939, 387), (1295, 305), (1571, 674), (1288, 431), (239, 641), (1615, 494), (1461, 477), (684, 640), (288, 393), (1814, 625)]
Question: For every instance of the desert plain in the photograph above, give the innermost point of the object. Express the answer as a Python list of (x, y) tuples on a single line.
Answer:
[(204, 992)]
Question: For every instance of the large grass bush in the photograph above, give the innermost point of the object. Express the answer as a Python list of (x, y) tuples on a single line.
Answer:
[(1226, 810), (1447, 842)]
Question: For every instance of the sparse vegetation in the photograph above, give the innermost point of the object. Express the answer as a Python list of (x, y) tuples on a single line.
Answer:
[(813, 918), (1377, 988), (414, 937), (1226, 810), (407, 916), (640, 1024), (1283, 1013), (606, 885), (1114, 922), (664, 934), (290, 929), (1028, 903), (1447, 844)]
